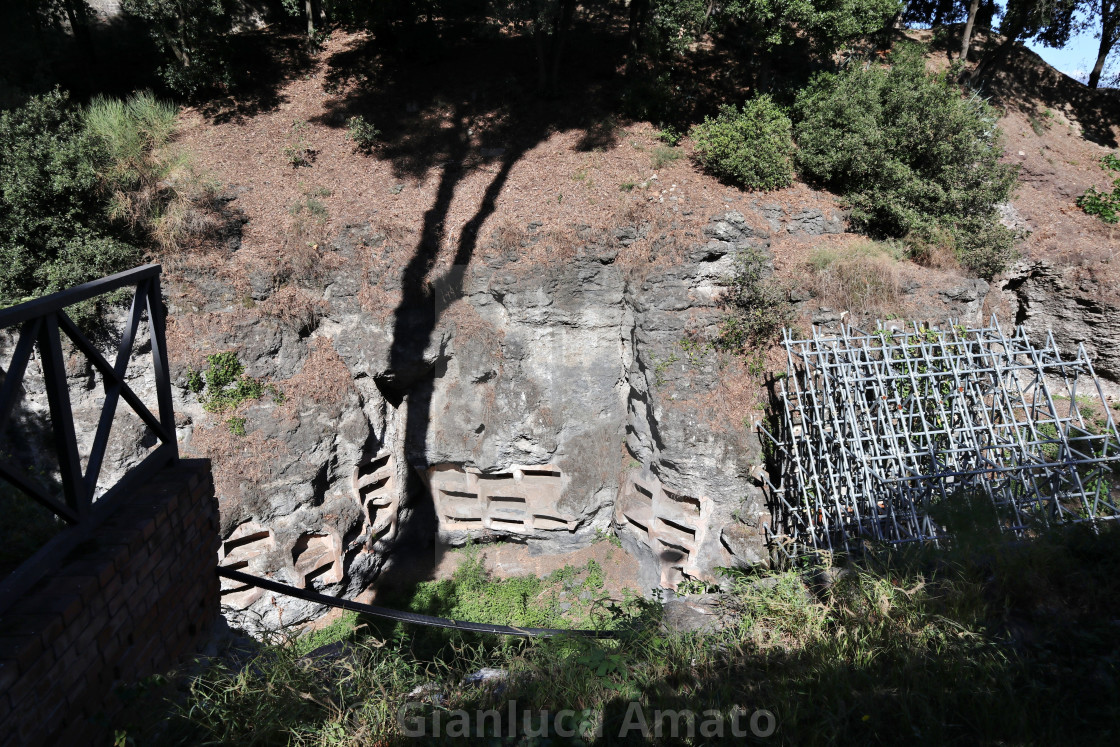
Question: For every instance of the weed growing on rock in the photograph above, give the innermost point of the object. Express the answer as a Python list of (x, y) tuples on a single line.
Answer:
[(603, 535), (695, 349), (224, 385), (757, 306), (660, 367), (236, 425)]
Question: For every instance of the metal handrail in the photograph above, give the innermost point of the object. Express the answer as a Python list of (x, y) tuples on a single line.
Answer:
[(42, 322)]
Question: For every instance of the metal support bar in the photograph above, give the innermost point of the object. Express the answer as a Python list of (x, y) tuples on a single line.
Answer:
[(880, 433), (40, 324)]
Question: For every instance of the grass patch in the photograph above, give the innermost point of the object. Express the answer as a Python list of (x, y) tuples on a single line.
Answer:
[(664, 155), (862, 277)]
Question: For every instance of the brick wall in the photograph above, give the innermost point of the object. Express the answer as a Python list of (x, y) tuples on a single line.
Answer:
[(130, 603)]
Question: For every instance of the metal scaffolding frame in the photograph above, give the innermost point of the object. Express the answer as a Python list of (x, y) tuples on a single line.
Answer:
[(895, 435)]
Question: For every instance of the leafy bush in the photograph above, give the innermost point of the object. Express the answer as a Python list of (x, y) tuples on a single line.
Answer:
[(363, 133), (983, 245), (1104, 205), (910, 153), (757, 306), (670, 134), (193, 37), (55, 224), (132, 133), (81, 190), (751, 147)]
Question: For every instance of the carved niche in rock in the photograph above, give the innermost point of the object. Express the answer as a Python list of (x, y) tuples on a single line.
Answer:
[(522, 501), (375, 489), (317, 557), (246, 544), (674, 527)]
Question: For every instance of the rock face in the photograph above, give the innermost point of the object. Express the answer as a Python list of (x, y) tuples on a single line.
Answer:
[(692, 473), (539, 402), (1077, 309), (515, 399)]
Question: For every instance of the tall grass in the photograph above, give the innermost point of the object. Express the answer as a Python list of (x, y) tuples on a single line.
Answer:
[(862, 277), (154, 188), (132, 131)]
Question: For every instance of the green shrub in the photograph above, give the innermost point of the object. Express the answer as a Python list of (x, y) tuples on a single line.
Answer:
[(55, 224), (1104, 205), (193, 36), (363, 133), (671, 135), (131, 131), (910, 153), (984, 245), (751, 147)]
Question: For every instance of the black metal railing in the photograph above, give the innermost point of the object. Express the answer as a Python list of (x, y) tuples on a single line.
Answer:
[(41, 323)]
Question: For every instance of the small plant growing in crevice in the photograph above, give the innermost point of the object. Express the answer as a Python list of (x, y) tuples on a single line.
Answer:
[(236, 425), (695, 350), (660, 367), (603, 535), (224, 385)]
